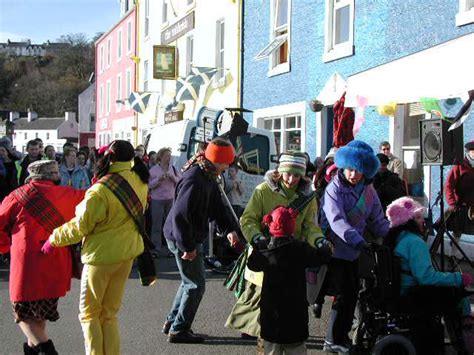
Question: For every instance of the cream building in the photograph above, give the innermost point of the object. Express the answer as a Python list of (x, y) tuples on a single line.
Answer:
[(205, 34)]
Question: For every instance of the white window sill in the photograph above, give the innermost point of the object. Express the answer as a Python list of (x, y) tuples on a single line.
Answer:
[(464, 18), (219, 83), (164, 24), (340, 51), (146, 37), (279, 69), (119, 59)]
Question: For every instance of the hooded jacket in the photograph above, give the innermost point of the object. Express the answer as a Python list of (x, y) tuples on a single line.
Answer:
[(78, 178), (283, 305), (108, 233), (266, 197), (339, 198)]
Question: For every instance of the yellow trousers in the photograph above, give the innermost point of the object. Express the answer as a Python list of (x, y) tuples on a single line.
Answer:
[(102, 288)]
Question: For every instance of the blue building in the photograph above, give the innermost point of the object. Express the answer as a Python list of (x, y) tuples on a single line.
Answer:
[(378, 51), (383, 51)]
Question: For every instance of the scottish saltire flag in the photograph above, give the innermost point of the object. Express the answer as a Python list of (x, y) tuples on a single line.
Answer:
[(188, 88), (139, 101), (205, 73)]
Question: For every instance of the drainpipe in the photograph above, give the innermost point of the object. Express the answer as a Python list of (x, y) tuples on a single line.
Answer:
[(240, 53), (137, 66)]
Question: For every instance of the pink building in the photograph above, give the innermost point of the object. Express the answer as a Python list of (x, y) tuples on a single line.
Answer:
[(115, 80)]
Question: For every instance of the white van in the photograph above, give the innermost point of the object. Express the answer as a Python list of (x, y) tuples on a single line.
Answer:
[(256, 149)]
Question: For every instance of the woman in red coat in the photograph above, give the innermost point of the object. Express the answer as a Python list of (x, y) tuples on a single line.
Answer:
[(460, 193), (28, 215)]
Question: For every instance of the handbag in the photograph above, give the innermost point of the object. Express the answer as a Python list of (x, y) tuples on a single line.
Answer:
[(77, 264), (235, 281)]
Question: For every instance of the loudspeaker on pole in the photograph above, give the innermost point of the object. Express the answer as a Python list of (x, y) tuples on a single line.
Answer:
[(438, 145)]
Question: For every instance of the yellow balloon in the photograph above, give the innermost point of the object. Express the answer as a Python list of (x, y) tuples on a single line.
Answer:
[(387, 109)]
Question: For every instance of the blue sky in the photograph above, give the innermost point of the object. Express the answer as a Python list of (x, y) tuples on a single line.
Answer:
[(42, 20)]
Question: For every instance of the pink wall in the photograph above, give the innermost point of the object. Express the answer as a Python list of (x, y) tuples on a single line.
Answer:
[(108, 72)]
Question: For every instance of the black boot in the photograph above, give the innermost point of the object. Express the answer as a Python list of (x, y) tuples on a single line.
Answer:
[(46, 348), (28, 350)]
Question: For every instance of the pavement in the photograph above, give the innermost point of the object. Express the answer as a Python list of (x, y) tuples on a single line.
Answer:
[(142, 315)]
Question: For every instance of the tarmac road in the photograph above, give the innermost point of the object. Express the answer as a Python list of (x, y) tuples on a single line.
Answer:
[(143, 313)]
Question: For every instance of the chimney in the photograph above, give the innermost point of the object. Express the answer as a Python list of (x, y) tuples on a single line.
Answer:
[(70, 116), (14, 115), (32, 115)]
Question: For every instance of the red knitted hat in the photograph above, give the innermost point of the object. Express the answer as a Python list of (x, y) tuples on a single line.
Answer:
[(220, 154), (281, 221)]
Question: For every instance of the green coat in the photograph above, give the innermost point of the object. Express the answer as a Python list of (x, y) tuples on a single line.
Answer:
[(245, 316)]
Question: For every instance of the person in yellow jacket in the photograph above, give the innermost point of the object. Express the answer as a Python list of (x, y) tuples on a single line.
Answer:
[(110, 242), (280, 188)]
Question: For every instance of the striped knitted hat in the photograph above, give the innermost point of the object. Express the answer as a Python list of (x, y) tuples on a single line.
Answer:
[(293, 163)]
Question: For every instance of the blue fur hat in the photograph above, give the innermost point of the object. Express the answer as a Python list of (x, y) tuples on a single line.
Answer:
[(360, 156)]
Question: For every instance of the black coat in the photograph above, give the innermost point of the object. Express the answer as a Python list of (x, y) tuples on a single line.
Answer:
[(197, 202), (389, 187), (283, 304)]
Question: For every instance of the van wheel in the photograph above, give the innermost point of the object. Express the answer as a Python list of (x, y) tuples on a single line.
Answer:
[(394, 344)]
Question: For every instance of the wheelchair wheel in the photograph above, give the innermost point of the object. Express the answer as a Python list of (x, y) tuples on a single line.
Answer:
[(394, 344)]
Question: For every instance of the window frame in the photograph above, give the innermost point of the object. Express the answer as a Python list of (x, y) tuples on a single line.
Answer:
[(465, 16), (146, 69), (189, 52), (164, 13), (275, 68), (128, 86), (219, 77), (109, 52), (101, 100), (119, 44), (102, 57), (146, 22), (129, 37), (334, 51), (108, 97), (118, 101)]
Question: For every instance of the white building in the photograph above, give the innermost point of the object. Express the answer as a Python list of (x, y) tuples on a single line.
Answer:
[(53, 131), (206, 34)]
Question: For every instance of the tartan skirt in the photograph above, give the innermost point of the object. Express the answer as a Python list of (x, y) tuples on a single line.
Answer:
[(36, 310)]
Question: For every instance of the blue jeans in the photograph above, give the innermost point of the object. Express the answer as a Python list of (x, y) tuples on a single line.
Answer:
[(190, 291)]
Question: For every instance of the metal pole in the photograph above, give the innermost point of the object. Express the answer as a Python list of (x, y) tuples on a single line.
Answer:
[(443, 222)]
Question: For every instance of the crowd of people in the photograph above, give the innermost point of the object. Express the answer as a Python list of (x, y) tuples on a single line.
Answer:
[(302, 216)]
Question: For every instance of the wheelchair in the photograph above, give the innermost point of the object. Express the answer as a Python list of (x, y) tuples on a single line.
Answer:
[(384, 327)]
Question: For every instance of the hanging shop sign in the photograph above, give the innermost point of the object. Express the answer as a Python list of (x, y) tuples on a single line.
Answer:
[(165, 65), (178, 29), (173, 116)]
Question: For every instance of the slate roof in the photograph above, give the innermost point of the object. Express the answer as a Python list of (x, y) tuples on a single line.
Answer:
[(43, 123)]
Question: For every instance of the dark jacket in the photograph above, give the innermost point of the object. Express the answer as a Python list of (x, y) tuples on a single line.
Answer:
[(197, 201), (8, 182), (389, 187), (283, 305), (459, 186)]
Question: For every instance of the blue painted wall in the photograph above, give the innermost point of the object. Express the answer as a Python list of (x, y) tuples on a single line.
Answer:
[(385, 30)]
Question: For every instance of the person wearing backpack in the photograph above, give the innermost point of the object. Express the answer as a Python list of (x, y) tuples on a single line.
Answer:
[(425, 292)]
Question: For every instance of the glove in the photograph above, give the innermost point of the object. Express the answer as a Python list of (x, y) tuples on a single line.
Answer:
[(259, 241), (466, 279), (322, 243), (47, 248), (363, 246)]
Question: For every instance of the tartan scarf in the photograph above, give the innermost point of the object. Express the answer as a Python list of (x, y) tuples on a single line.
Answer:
[(357, 213), (204, 164), (129, 199), (39, 207)]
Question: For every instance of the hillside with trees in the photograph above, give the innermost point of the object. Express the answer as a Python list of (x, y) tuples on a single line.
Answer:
[(48, 85)]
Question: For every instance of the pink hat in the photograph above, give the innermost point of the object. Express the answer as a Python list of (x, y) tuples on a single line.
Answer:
[(329, 171), (402, 210)]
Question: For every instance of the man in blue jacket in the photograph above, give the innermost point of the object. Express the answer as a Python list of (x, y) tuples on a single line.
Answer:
[(197, 201)]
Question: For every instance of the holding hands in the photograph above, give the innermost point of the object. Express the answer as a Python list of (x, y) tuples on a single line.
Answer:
[(47, 248)]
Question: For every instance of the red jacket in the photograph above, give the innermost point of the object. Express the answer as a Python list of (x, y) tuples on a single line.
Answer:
[(33, 275), (459, 188)]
